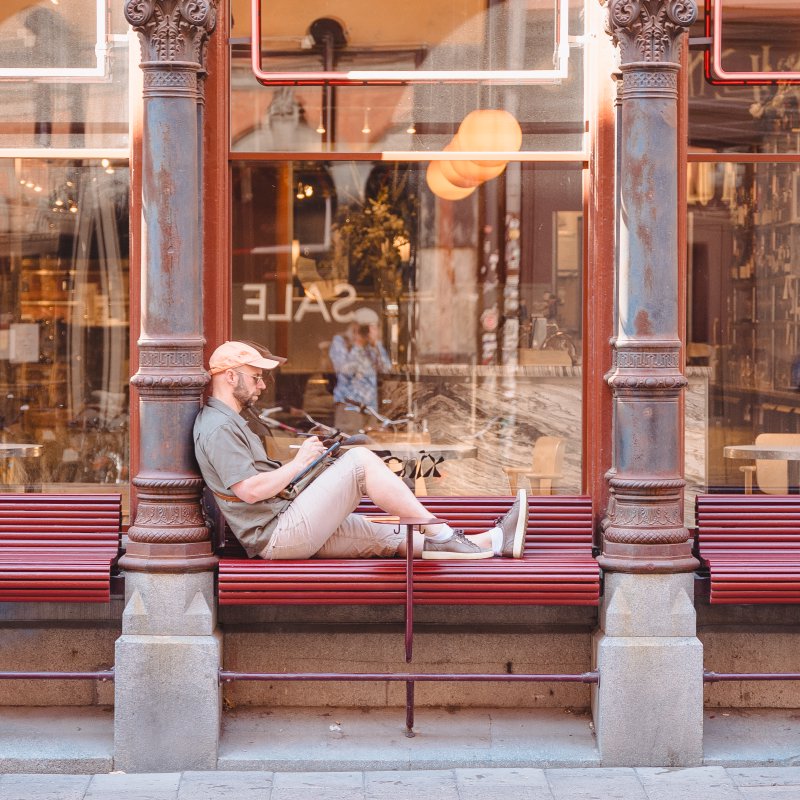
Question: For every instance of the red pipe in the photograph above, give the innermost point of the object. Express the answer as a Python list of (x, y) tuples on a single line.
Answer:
[(227, 676), (102, 675), (713, 677)]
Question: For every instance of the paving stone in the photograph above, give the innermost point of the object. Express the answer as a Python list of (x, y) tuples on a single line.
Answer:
[(318, 785), (765, 776), (140, 786), (234, 785), (618, 783), (317, 793), (502, 784), (769, 792), (690, 783), (43, 787), (438, 784)]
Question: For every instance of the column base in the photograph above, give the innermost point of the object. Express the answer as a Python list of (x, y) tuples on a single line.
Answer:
[(648, 558), (168, 703), (648, 706), (178, 558)]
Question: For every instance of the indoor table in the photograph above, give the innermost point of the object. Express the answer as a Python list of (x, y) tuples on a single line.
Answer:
[(788, 453)]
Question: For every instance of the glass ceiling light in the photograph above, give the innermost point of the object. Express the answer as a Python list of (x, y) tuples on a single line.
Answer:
[(366, 128)]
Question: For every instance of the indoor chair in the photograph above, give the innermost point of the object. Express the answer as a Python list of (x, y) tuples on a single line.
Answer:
[(545, 468)]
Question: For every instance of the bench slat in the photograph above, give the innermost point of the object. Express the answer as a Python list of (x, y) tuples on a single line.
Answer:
[(557, 567), (58, 548), (751, 546)]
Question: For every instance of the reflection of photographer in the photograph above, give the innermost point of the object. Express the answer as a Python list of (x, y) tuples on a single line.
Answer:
[(357, 355)]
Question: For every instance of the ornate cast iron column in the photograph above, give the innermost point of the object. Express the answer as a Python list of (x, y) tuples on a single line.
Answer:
[(168, 534), (644, 530)]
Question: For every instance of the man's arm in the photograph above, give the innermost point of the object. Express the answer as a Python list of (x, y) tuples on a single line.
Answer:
[(264, 485)]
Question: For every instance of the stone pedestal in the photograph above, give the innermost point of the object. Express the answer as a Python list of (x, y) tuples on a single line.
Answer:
[(167, 694), (648, 706)]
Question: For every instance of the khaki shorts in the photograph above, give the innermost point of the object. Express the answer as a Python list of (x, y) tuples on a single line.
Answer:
[(320, 521)]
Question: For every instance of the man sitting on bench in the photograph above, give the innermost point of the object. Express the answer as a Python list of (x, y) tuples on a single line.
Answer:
[(319, 521)]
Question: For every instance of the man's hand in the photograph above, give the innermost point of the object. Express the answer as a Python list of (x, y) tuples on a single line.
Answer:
[(310, 449)]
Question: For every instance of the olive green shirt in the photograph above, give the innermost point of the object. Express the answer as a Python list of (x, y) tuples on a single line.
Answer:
[(227, 452)]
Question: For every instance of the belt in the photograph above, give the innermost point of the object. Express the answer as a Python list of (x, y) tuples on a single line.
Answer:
[(231, 498)]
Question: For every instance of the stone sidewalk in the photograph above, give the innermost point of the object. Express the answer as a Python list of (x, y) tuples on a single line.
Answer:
[(699, 783)]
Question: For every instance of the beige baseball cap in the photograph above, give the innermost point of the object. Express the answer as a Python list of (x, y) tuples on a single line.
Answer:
[(236, 354)]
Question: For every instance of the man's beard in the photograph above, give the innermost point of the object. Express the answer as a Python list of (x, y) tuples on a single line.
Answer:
[(243, 395)]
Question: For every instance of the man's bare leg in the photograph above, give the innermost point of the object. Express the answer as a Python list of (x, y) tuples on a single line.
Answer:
[(389, 493)]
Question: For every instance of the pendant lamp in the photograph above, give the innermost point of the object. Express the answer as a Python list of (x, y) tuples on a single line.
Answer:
[(490, 130), (441, 187), (474, 170), (452, 171)]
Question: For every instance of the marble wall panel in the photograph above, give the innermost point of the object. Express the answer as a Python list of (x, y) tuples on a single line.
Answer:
[(502, 411)]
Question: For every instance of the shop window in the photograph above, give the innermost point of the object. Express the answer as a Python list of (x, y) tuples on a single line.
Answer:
[(64, 335), (471, 281), (476, 303), (743, 324)]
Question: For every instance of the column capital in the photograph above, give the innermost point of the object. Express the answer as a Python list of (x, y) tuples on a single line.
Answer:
[(172, 32), (647, 32)]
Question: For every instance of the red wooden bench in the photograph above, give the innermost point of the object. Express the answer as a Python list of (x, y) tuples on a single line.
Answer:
[(751, 546), (557, 567), (58, 547)]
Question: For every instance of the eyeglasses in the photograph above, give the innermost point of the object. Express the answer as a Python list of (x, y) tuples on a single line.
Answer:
[(256, 378)]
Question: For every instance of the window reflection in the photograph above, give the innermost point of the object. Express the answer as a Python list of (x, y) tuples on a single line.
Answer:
[(464, 315), (430, 36), (64, 323), (729, 118), (63, 74)]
